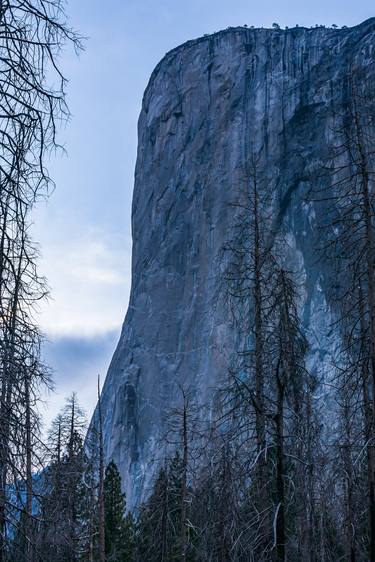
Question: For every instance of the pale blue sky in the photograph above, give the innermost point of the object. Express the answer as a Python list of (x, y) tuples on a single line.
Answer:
[(84, 231)]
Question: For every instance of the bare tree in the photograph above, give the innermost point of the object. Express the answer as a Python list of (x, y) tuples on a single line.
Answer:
[(32, 34), (288, 347), (248, 272), (351, 247), (183, 433)]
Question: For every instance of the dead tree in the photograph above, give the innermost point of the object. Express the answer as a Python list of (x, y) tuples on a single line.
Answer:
[(288, 347), (248, 276), (184, 430), (32, 34), (351, 246)]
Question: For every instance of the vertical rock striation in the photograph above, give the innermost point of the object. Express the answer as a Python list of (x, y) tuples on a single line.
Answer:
[(209, 104)]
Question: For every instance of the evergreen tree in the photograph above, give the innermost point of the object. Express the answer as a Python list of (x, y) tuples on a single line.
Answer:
[(119, 534), (159, 523), (153, 523), (23, 538), (63, 505)]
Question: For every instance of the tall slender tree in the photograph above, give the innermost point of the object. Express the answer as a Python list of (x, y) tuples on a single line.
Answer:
[(101, 499), (32, 88), (351, 247), (65, 495), (119, 528)]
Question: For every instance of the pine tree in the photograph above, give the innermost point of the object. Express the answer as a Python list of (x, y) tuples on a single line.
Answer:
[(152, 525), (119, 533), (64, 501), (159, 524)]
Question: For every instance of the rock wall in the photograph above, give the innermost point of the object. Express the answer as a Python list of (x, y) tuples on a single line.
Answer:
[(210, 103)]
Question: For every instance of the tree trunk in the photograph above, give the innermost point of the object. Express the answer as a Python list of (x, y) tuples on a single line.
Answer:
[(310, 554), (101, 482), (29, 476), (184, 484), (260, 423), (6, 406), (280, 520), (351, 555), (370, 257)]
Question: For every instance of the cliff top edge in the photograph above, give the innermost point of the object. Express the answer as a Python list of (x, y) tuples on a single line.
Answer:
[(367, 26)]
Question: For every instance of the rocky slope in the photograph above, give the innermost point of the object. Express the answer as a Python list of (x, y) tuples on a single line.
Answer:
[(209, 104)]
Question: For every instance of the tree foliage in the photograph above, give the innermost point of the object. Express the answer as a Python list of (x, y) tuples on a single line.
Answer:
[(119, 527)]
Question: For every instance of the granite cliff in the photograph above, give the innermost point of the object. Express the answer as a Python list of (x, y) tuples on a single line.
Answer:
[(210, 103)]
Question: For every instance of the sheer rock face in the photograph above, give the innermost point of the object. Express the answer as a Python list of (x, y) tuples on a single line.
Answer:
[(210, 103)]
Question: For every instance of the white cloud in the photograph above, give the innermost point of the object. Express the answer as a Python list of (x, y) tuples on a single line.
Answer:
[(94, 263), (90, 281)]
